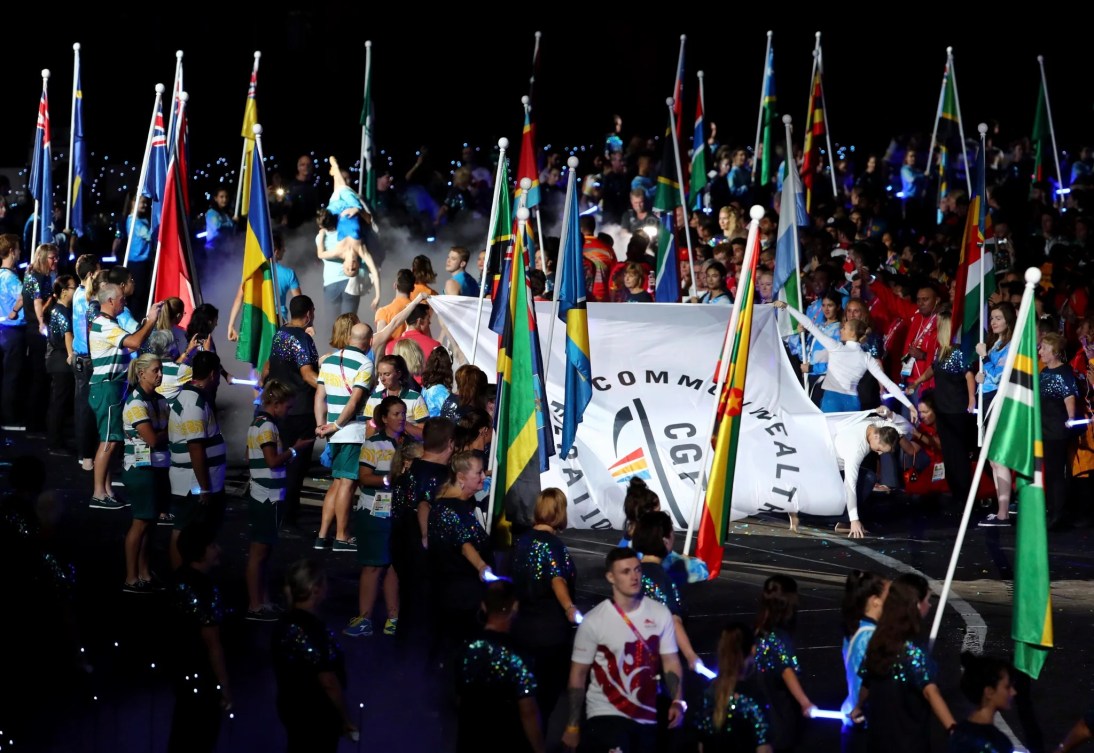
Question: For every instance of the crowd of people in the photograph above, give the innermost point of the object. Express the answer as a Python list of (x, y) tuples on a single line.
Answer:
[(407, 436)]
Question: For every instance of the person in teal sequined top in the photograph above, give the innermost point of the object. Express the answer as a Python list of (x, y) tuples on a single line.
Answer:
[(727, 721), (779, 686), (494, 683), (899, 680)]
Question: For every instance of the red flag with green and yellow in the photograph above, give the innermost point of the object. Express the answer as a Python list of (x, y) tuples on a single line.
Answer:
[(714, 527)]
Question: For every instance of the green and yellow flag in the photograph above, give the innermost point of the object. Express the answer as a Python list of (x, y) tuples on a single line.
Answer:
[(1017, 444), (259, 321)]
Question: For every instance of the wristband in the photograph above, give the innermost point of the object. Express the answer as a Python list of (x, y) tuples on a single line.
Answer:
[(573, 728)]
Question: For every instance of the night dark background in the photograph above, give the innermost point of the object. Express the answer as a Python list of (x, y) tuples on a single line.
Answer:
[(448, 77)]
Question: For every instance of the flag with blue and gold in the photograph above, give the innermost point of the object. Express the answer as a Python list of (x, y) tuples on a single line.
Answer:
[(501, 249), (250, 117), (524, 437), (259, 321), (714, 527), (571, 295), (79, 159), (1017, 444)]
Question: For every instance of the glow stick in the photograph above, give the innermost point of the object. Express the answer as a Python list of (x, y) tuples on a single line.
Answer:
[(701, 669), (815, 713)]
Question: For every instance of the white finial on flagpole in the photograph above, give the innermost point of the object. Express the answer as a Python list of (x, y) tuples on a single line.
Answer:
[(525, 100), (787, 120), (45, 73), (1033, 276), (257, 129), (700, 74), (178, 54), (983, 128), (949, 51), (184, 97), (669, 101), (525, 184), (503, 143), (683, 37), (1040, 58), (257, 54), (368, 43), (522, 212), (539, 34), (76, 46), (818, 35), (573, 162), (756, 213), (770, 34), (160, 88)]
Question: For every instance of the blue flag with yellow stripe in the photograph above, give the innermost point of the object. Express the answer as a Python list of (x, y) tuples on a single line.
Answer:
[(572, 310)]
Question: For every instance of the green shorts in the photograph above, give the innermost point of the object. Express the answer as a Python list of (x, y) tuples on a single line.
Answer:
[(263, 520), (144, 489), (373, 539), (188, 510), (345, 460), (106, 401)]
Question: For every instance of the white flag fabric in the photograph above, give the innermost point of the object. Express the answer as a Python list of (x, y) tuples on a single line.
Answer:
[(653, 394)]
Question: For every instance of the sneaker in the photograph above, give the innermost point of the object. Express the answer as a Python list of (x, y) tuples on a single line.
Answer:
[(106, 503), (994, 521), (358, 627), (167, 519), (321, 543), (140, 587), (349, 545), (391, 626), (262, 614)]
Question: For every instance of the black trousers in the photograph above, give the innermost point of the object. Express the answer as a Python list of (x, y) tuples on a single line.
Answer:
[(1055, 480), (293, 428), (36, 380), (955, 432), (13, 357), (87, 435), (62, 391)]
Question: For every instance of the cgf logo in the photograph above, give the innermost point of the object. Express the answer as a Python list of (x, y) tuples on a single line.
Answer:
[(643, 461)]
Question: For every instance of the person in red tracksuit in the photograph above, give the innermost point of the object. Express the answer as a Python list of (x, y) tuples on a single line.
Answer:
[(920, 339)]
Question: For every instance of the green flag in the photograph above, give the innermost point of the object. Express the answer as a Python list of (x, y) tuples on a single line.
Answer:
[(1017, 444), (667, 197), (771, 125)]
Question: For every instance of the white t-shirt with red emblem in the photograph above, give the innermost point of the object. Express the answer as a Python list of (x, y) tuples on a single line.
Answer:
[(624, 669)]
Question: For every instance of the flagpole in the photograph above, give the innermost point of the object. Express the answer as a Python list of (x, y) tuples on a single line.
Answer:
[(143, 176), (72, 135), (1033, 277), (760, 119), (273, 256), (703, 106), (827, 129), (571, 190), (755, 213), (1051, 129), (797, 260), (522, 217), (243, 160), (364, 128), (34, 237), (934, 133), (503, 144), (983, 129), (960, 125), (535, 57), (680, 184), (176, 88)]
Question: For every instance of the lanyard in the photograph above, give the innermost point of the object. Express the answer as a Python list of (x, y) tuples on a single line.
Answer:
[(646, 655), (924, 329)]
